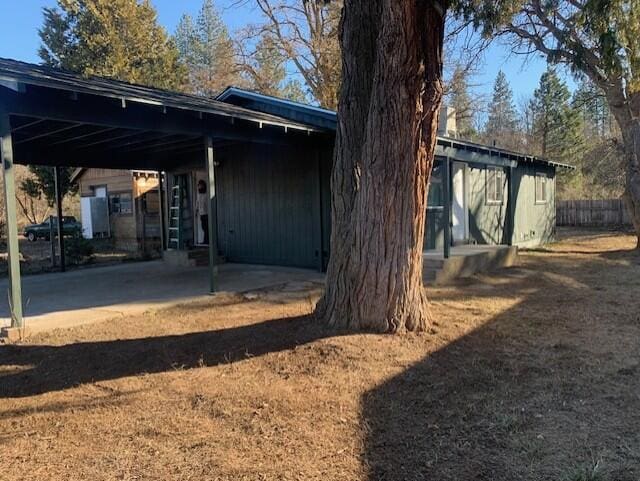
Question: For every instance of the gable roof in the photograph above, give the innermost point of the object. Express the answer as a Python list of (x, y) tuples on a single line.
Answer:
[(300, 112), (324, 118)]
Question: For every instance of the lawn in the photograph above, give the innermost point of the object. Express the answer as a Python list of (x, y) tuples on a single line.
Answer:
[(531, 373)]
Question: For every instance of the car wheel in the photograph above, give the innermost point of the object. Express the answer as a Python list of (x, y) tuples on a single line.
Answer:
[(31, 236)]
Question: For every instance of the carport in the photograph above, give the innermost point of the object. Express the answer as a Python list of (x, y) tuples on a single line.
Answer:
[(51, 117)]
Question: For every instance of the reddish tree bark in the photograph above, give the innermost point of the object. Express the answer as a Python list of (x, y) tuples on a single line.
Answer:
[(626, 109), (388, 112)]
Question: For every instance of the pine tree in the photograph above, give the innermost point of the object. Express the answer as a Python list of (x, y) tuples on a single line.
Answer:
[(502, 123), (558, 128), (461, 100), (294, 90), (593, 108), (602, 175), (206, 49), (556, 122), (267, 68), (266, 71), (118, 39)]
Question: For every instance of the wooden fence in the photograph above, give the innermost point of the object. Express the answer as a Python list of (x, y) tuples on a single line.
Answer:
[(592, 213)]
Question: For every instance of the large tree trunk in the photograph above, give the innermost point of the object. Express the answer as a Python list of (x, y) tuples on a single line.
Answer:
[(627, 113), (632, 188), (388, 109)]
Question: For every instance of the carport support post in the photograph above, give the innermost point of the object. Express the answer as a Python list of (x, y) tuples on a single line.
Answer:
[(511, 206), (56, 172), (447, 207), (11, 221), (163, 235), (212, 217)]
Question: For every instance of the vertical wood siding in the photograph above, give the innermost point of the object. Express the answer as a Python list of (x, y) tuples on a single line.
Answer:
[(534, 222), (267, 206)]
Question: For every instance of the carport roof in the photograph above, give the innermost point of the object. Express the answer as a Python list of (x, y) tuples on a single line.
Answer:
[(60, 118), (13, 73)]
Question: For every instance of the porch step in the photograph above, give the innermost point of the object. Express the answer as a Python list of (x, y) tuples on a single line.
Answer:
[(432, 264), (465, 261)]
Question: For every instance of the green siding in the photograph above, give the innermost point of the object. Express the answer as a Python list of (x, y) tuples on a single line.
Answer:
[(326, 162), (487, 221), (268, 206), (534, 223)]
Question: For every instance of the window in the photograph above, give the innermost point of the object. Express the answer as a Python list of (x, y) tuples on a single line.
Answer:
[(436, 197), (120, 203), (495, 185), (541, 188)]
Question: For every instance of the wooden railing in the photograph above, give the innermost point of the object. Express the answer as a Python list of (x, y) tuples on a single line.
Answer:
[(592, 213)]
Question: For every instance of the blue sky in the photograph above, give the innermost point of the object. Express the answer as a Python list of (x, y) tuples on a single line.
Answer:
[(19, 38)]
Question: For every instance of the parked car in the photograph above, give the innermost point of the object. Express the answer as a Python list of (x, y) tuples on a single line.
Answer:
[(70, 226)]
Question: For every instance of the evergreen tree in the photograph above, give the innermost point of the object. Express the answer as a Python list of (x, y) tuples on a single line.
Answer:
[(119, 39), (556, 123), (267, 74), (294, 90), (602, 175), (558, 129), (206, 49), (593, 108), (502, 123), (267, 68), (459, 98)]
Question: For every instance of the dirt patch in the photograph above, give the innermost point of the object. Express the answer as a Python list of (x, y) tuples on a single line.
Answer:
[(530, 373)]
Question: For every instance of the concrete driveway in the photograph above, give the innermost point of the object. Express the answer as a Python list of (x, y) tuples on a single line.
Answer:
[(96, 294)]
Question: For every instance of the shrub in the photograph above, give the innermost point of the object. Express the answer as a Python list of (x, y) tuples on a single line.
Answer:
[(78, 250)]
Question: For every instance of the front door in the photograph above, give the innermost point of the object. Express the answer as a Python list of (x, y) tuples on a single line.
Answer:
[(459, 211)]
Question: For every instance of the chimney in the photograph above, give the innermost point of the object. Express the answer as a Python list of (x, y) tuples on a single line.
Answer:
[(447, 122)]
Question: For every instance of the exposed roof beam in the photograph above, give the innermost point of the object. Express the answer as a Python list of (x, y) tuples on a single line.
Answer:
[(110, 139), (84, 136), (48, 134), (146, 137), (166, 143), (27, 125)]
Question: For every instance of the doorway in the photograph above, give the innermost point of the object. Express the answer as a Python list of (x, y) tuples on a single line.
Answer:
[(459, 209), (201, 201)]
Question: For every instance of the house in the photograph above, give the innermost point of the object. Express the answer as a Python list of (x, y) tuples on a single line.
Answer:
[(243, 177), (496, 196), (132, 199), (480, 194)]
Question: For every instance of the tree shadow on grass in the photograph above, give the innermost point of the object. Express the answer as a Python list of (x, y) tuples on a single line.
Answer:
[(53, 368), (525, 396)]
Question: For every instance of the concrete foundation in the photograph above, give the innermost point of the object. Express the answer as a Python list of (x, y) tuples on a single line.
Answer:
[(13, 334), (465, 261)]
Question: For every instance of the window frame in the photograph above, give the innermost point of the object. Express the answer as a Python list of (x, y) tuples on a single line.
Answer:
[(499, 178), (545, 188), (112, 195)]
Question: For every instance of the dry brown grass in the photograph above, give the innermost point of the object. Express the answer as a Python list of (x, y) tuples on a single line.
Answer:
[(532, 373)]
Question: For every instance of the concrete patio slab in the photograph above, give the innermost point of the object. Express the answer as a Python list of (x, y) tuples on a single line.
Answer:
[(89, 295)]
